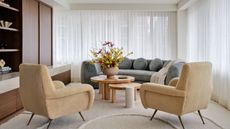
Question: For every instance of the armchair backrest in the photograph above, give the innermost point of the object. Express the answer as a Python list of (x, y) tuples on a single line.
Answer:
[(196, 81), (35, 85)]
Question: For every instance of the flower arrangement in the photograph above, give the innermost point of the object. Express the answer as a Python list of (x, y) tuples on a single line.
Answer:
[(108, 56)]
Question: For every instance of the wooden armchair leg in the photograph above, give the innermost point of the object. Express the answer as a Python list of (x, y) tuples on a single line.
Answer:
[(82, 116), (201, 116), (31, 117), (153, 114), (181, 122)]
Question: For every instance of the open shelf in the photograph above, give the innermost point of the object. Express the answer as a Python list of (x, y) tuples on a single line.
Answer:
[(9, 50), (8, 7), (10, 29)]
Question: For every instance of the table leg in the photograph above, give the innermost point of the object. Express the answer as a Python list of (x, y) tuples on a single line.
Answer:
[(129, 97), (101, 88), (113, 95), (135, 94), (107, 91)]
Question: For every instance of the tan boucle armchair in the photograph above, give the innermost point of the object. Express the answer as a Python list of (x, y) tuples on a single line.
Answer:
[(192, 92), (40, 95)]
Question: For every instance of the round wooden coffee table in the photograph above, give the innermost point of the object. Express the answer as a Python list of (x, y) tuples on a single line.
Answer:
[(104, 83)]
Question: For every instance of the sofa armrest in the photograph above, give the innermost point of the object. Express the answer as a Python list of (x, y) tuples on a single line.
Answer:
[(162, 89), (71, 90), (58, 84), (89, 70), (174, 82)]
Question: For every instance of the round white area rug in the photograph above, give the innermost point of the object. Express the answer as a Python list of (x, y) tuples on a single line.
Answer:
[(126, 121)]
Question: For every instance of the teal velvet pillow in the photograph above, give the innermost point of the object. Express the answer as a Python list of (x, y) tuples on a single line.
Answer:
[(140, 64), (126, 64), (156, 65)]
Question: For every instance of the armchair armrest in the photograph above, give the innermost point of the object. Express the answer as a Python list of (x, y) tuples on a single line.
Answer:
[(162, 89), (71, 90), (174, 81), (58, 84)]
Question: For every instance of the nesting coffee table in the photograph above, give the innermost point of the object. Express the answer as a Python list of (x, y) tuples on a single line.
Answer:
[(130, 92), (104, 83)]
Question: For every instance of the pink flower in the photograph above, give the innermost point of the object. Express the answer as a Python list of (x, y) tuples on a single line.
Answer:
[(108, 43), (99, 51)]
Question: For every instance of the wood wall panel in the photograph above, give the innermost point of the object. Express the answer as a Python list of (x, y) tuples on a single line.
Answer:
[(45, 34), (30, 31)]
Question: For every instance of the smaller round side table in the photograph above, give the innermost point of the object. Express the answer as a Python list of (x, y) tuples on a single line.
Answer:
[(130, 92)]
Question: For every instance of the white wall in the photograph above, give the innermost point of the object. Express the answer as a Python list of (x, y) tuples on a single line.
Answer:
[(184, 4), (153, 7)]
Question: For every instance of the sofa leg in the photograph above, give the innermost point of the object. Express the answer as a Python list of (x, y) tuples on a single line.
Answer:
[(201, 116), (153, 114), (181, 122), (31, 117), (50, 120), (82, 116)]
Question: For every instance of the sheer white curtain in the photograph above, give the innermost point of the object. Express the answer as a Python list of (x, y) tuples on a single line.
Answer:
[(209, 40), (148, 34)]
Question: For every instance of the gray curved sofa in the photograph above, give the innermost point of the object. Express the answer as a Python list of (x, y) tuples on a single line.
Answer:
[(133, 68)]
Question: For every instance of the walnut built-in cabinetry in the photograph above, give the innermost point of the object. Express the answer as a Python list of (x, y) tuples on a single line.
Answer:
[(10, 103), (37, 32), (29, 38)]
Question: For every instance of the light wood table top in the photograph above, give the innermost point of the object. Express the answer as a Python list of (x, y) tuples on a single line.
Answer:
[(116, 79), (125, 85)]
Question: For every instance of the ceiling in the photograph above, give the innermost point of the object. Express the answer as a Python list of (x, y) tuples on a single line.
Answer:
[(122, 1)]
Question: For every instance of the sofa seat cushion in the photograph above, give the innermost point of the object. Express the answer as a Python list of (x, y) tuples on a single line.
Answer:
[(140, 75)]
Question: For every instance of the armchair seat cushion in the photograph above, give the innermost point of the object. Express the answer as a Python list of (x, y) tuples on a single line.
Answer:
[(162, 89), (70, 90), (140, 75)]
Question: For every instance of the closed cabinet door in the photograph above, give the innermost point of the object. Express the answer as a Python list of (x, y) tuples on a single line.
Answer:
[(30, 31), (45, 34)]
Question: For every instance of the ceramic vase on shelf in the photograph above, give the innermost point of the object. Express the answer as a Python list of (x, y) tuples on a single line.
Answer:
[(110, 72)]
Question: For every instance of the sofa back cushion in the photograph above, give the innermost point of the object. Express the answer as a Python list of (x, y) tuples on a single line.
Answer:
[(140, 64), (156, 64), (126, 64), (173, 71)]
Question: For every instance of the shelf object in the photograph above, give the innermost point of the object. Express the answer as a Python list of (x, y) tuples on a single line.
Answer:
[(8, 7), (9, 50), (10, 29)]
